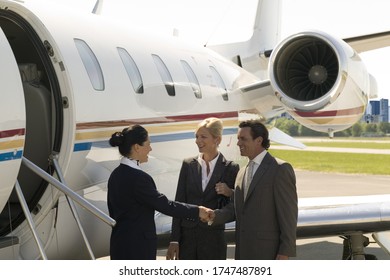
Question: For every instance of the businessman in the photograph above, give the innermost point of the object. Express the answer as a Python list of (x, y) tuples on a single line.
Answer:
[(265, 203)]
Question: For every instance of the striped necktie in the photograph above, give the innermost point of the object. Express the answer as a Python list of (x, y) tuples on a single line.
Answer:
[(248, 177)]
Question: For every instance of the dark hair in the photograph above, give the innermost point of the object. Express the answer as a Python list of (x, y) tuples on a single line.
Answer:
[(258, 129), (127, 138)]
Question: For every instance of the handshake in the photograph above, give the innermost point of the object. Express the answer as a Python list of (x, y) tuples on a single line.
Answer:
[(206, 215)]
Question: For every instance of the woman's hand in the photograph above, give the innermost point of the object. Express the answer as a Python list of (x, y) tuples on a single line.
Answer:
[(222, 188), (173, 251)]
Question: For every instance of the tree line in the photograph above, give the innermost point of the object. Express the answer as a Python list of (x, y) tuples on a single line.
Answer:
[(360, 129)]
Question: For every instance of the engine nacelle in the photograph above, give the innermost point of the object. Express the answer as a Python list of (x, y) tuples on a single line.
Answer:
[(321, 81)]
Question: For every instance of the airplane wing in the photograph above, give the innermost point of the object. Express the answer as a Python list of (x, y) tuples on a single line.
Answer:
[(350, 217), (261, 95), (369, 42)]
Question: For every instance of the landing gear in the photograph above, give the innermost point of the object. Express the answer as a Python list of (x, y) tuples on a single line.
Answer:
[(353, 248)]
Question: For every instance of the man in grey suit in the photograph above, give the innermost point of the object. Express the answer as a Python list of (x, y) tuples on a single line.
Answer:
[(265, 203)]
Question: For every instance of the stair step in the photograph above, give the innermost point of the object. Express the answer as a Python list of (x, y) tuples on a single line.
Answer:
[(9, 248)]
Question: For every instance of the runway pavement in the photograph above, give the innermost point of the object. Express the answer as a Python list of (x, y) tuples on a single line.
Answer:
[(337, 150), (330, 248), (317, 184)]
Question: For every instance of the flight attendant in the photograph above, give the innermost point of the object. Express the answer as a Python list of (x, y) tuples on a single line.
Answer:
[(133, 198)]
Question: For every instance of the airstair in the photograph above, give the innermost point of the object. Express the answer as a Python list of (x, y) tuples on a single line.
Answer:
[(9, 245)]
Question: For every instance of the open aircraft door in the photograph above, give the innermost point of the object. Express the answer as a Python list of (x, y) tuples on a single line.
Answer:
[(12, 120)]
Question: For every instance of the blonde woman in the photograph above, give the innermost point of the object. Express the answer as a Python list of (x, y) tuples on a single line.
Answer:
[(206, 179)]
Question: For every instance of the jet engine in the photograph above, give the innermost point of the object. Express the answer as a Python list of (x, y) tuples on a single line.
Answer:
[(321, 81)]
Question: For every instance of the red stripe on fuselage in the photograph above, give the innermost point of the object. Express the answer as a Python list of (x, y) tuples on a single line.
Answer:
[(166, 119), (12, 132), (333, 113)]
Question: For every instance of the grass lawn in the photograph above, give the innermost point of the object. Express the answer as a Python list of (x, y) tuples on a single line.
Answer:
[(336, 162)]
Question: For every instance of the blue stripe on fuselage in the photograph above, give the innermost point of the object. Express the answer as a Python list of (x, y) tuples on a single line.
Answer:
[(11, 156)]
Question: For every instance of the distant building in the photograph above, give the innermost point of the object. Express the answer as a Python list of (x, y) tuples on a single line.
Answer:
[(384, 111), (287, 116), (375, 107), (377, 111)]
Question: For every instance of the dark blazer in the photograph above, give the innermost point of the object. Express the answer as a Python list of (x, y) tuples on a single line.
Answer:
[(132, 199), (189, 189), (266, 221)]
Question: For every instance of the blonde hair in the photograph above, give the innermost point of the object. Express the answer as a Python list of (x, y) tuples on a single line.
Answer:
[(213, 125)]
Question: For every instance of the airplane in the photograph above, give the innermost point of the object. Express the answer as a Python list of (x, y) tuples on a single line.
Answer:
[(70, 79)]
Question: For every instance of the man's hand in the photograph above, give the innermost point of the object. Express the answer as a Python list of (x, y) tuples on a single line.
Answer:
[(281, 257), (211, 217), (204, 214)]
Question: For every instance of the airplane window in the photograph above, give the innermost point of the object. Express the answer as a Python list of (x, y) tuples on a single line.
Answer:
[(220, 83), (192, 78), (132, 70), (91, 64), (165, 75)]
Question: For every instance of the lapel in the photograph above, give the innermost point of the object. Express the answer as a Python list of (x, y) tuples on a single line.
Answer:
[(259, 174), (196, 174), (238, 192)]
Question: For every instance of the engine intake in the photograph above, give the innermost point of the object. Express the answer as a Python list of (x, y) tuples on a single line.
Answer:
[(307, 70), (320, 79)]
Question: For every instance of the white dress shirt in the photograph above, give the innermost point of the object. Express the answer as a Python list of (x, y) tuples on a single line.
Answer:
[(206, 177), (130, 162), (257, 160), (252, 169)]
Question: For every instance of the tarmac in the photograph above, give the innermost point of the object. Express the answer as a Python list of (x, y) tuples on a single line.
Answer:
[(317, 184)]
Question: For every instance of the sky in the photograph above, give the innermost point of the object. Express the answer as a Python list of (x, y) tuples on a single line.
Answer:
[(201, 20), (346, 18)]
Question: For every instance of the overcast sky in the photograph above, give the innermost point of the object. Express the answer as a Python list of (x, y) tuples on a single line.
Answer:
[(200, 20), (343, 18)]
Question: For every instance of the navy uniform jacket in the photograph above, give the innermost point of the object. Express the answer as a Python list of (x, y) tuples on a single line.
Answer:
[(132, 200)]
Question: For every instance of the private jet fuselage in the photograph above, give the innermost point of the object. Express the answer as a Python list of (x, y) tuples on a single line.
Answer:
[(69, 80)]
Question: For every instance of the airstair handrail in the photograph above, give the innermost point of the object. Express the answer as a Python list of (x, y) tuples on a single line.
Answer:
[(72, 207), (69, 192), (30, 222)]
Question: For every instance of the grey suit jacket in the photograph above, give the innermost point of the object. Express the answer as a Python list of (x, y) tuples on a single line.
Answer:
[(266, 221)]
